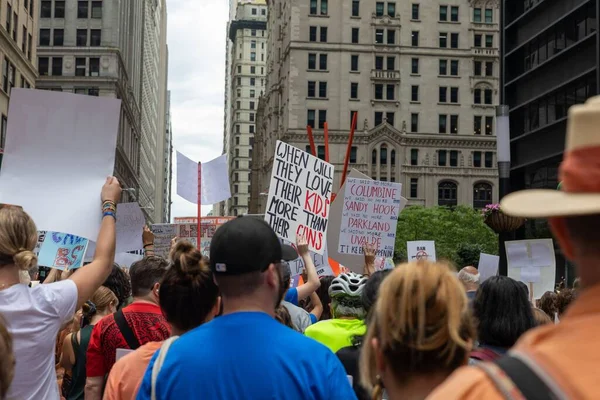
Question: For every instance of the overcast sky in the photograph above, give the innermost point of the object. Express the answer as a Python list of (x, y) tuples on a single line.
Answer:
[(196, 39)]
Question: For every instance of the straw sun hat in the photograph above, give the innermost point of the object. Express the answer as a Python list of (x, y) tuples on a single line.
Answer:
[(579, 192)]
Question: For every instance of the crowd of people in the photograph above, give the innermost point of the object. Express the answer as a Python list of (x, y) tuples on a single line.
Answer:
[(230, 326)]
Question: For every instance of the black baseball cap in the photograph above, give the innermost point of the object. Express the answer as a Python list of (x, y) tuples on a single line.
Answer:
[(246, 245)]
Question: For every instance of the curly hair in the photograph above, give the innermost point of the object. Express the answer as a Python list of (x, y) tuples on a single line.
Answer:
[(119, 283), (564, 298), (547, 303)]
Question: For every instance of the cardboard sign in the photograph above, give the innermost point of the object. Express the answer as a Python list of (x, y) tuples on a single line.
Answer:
[(488, 266), (163, 234), (62, 251), (299, 196), (321, 262), (351, 262), (129, 227), (214, 180), (532, 262), (421, 250), (369, 216)]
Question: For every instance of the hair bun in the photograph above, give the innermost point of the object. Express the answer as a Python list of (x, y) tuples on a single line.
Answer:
[(187, 258), (25, 259)]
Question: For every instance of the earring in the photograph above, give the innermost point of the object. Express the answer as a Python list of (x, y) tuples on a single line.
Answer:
[(377, 392)]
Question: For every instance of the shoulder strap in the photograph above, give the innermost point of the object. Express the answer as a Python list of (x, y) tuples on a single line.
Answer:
[(74, 343), (518, 377), (126, 330), (162, 354), (484, 354)]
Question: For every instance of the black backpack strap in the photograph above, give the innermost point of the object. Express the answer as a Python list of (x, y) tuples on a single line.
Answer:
[(126, 330), (518, 377)]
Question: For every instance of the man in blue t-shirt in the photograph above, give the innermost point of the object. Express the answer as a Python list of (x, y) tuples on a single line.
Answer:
[(246, 353), (294, 295)]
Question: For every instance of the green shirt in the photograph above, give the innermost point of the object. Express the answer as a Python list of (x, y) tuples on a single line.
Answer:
[(336, 333)]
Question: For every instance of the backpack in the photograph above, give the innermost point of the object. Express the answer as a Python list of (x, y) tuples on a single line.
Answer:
[(484, 354)]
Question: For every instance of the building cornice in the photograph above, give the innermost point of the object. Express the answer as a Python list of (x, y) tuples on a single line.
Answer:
[(234, 26)]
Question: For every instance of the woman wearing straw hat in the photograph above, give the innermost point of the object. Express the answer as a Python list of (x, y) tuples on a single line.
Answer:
[(555, 361)]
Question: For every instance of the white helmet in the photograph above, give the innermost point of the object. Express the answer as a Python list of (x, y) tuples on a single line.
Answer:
[(349, 284)]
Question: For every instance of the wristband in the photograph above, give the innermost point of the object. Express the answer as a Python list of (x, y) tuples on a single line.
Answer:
[(148, 245), (109, 214)]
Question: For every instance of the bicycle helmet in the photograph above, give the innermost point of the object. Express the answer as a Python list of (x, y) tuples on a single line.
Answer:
[(349, 284)]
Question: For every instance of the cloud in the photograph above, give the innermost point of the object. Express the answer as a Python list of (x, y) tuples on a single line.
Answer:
[(196, 35)]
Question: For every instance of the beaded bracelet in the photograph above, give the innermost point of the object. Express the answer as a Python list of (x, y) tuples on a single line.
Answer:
[(109, 214), (109, 206)]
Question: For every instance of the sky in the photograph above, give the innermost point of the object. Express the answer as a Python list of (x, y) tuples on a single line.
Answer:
[(196, 33)]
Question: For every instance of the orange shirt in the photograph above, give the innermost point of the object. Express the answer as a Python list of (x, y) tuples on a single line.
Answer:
[(127, 373), (568, 352)]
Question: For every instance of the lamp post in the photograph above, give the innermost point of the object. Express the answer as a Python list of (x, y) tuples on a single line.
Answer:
[(503, 147)]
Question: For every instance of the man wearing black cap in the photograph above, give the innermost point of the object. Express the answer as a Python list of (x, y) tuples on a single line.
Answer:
[(246, 353)]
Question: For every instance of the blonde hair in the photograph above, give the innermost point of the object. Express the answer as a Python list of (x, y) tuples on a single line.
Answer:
[(18, 237), (7, 361), (422, 322)]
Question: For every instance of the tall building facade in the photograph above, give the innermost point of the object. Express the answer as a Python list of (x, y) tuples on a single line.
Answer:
[(422, 76), (17, 52), (114, 48), (167, 174), (247, 41), (551, 62)]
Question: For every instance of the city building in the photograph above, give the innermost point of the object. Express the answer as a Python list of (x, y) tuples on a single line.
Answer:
[(551, 62), (247, 55), (422, 76), (167, 174), (113, 48), (17, 52)]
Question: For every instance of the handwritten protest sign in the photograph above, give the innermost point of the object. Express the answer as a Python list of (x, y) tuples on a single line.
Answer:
[(62, 251), (299, 196), (38, 245), (421, 250), (163, 234), (532, 262), (369, 216), (321, 262), (129, 226)]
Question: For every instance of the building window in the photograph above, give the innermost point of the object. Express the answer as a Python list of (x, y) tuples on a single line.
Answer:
[(95, 37), (378, 118), (379, 36), (454, 67), (489, 159), (44, 37), (454, 14), (489, 41), (251, 117), (43, 65), (477, 121), (323, 90), (390, 92), (353, 151), (323, 61), (443, 42), (454, 40), (477, 15), (374, 158), (97, 9), (313, 7), (391, 11), (59, 37), (253, 56), (355, 35), (355, 8), (393, 157), (323, 34), (414, 156), (254, 11), (252, 104), (414, 69), (443, 123), (383, 155), (454, 158), (414, 39), (391, 63), (352, 118), (447, 194), (477, 159), (81, 39), (323, 7), (414, 188), (379, 63), (253, 44), (454, 124), (482, 195), (46, 9), (312, 88), (477, 68), (57, 66), (379, 7), (59, 9), (389, 116), (488, 96), (82, 9), (443, 13), (477, 40), (443, 94), (29, 47), (454, 95), (94, 67), (3, 131), (312, 61), (443, 67), (489, 16), (414, 93), (354, 90), (251, 129), (354, 62), (253, 70), (5, 73), (489, 68), (415, 12), (312, 34), (379, 92), (489, 125), (414, 122), (391, 36), (322, 118), (442, 158)]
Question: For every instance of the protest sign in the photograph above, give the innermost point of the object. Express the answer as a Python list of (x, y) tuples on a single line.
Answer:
[(369, 216), (214, 176), (38, 245), (299, 196), (59, 149), (532, 262), (321, 262), (351, 262), (126, 259), (62, 251), (129, 226), (488, 266), (382, 264), (421, 250), (163, 234)]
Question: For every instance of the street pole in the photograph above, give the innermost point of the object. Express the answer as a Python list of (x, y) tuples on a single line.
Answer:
[(503, 144)]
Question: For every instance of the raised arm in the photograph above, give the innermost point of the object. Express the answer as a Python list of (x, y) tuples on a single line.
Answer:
[(369, 252), (313, 282), (90, 277), (317, 310)]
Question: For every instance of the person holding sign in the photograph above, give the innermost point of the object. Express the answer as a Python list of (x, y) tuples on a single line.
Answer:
[(294, 295), (36, 315)]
